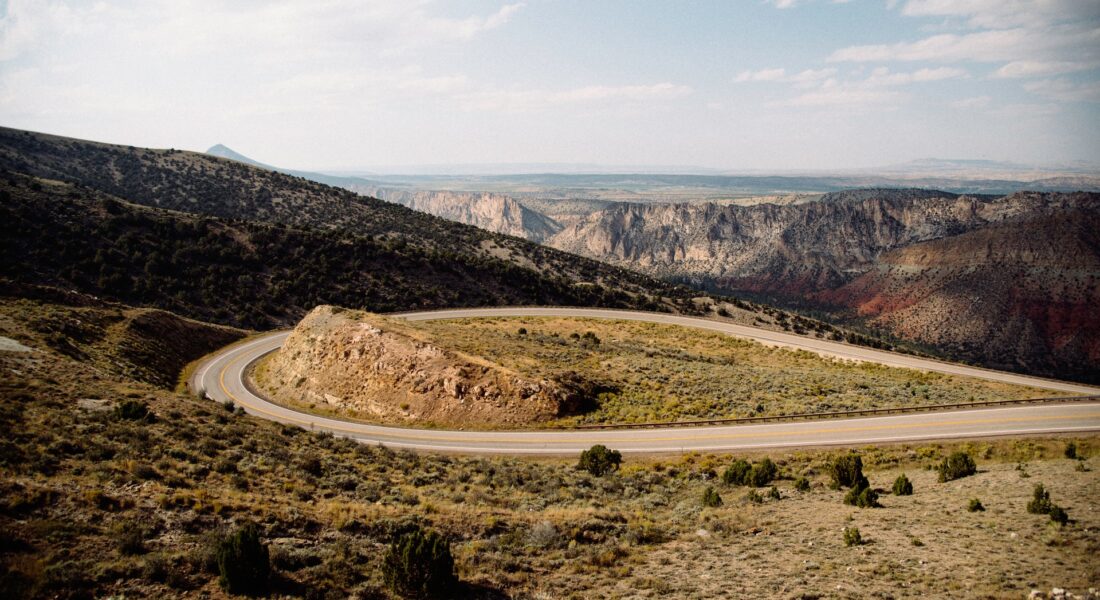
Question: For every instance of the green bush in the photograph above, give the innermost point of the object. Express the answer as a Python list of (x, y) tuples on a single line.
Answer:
[(758, 475), (737, 473), (975, 505), (863, 497), (244, 564), (902, 486), (1040, 501), (1058, 515), (1040, 504), (711, 499), (956, 466), (763, 473), (1071, 450), (419, 564), (774, 493), (852, 537), (802, 484), (754, 497), (847, 471), (599, 460)]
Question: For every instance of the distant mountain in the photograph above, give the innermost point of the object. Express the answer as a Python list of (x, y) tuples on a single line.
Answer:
[(968, 274), (226, 152)]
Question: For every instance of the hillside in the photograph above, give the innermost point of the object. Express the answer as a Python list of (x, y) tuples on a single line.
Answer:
[(110, 487), (259, 275), (808, 255), (1020, 294), (200, 184)]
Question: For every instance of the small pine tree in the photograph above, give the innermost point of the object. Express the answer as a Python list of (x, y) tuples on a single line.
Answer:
[(737, 473), (763, 473), (1058, 515), (852, 537), (1071, 450), (599, 460), (711, 498), (418, 564), (956, 466), (847, 471), (1040, 501), (902, 486), (244, 564)]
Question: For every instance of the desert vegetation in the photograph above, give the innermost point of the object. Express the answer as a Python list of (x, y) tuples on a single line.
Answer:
[(663, 373)]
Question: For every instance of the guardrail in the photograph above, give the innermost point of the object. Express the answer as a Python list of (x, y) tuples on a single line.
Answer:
[(840, 414)]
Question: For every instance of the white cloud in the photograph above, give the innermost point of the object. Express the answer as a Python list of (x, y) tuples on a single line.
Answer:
[(1001, 14), (802, 78), (515, 100), (761, 75), (1064, 90), (1040, 68), (972, 102), (874, 89)]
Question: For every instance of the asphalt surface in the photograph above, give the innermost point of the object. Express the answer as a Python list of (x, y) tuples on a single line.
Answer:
[(222, 377)]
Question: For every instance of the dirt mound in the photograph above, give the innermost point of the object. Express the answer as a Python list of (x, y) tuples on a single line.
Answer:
[(378, 367)]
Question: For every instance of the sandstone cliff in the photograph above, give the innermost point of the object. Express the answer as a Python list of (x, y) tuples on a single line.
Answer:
[(493, 212), (380, 369)]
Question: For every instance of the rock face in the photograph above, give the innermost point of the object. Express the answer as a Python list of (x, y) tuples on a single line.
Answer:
[(372, 365), (1009, 281), (494, 212)]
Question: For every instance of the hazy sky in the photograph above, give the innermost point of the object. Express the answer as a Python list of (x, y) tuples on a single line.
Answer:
[(736, 84)]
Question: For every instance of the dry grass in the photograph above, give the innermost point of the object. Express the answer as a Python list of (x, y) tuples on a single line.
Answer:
[(75, 481), (668, 373)]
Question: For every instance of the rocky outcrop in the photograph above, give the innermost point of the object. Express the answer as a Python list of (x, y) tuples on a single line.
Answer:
[(378, 368), (493, 212)]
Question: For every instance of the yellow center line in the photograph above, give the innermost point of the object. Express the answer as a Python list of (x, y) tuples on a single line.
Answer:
[(504, 437)]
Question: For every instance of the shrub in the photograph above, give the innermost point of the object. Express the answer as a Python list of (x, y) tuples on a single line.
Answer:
[(774, 493), (975, 505), (419, 564), (1071, 450), (1058, 515), (763, 473), (522, 331), (852, 536), (1040, 501), (902, 486), (130, 539), (758, 475), (847, 471), (802, 484), (133, 410), (599, 460), (863, 497), (711, 499), (754, 497), (956, 466), (244, 564), (737, 473)]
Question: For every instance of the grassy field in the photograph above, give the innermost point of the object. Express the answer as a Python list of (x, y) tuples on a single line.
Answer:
[(669, 373)]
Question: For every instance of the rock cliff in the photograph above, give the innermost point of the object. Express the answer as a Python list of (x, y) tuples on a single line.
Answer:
[(380, 369)]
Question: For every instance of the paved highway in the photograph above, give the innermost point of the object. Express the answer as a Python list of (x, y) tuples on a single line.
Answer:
[(222, 377)]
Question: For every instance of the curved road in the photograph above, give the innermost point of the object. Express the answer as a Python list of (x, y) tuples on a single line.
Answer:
[(222, 377)]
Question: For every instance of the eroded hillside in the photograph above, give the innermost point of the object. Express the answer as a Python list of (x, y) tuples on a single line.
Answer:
[(382, 369)]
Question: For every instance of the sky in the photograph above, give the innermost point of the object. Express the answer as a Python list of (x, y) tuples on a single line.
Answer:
[(736, 85)]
